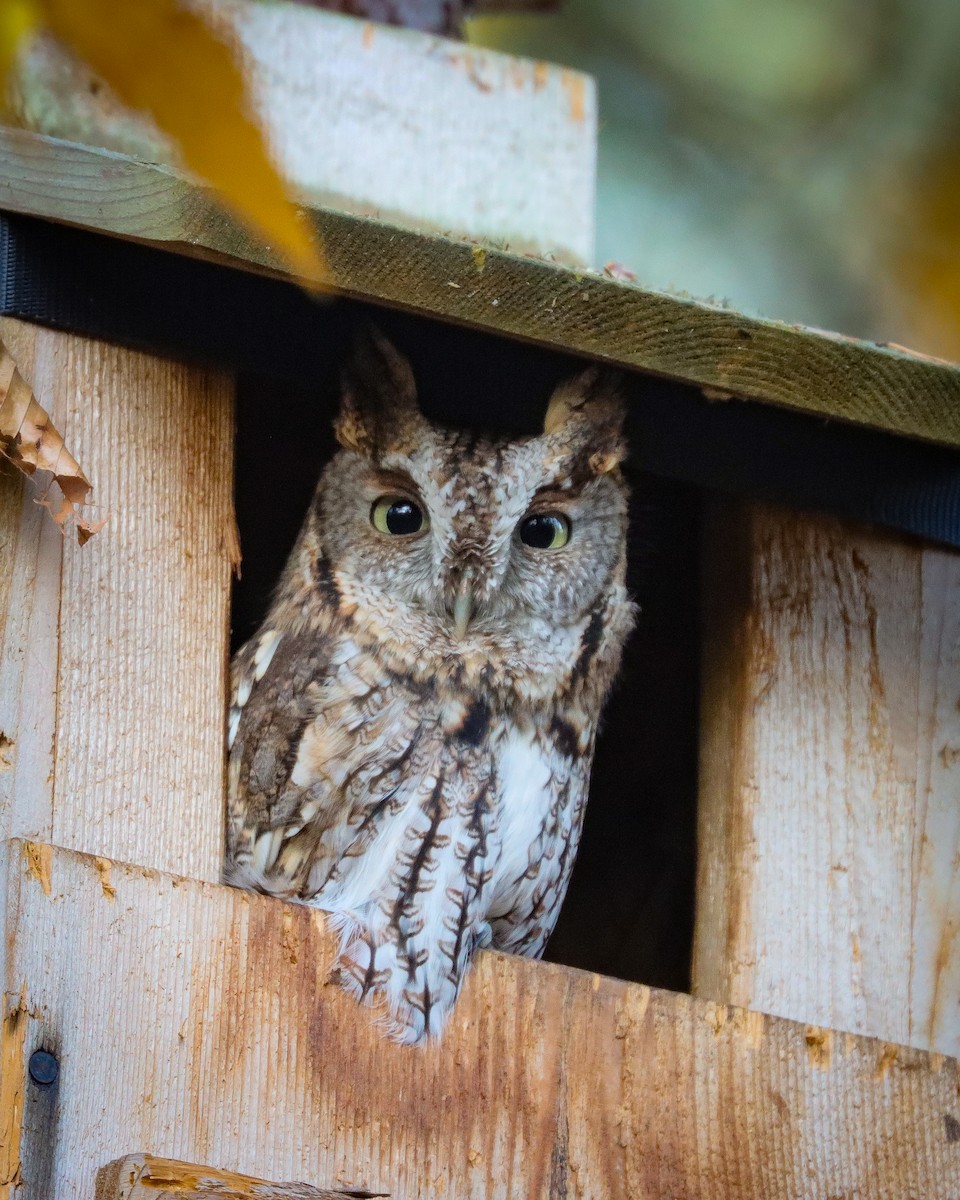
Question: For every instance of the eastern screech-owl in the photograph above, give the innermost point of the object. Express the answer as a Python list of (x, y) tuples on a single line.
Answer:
[(412, 728)]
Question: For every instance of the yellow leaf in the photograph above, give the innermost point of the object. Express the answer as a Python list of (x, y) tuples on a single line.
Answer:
[(17, 19), (927, 254), (159, 57)]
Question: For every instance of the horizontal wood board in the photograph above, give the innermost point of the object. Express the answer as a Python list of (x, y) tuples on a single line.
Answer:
[(344, 135), (196, 1020), (609, 319)]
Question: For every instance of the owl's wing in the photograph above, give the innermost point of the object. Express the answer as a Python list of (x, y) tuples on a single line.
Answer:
[(348, 790), (275, 680), (536, 864), (411, 908), (322, 748)]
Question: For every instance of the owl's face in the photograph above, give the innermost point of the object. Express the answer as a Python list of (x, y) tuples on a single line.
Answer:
[(472, 545)]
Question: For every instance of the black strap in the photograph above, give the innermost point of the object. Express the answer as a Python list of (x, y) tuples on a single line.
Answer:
[(147, 298)]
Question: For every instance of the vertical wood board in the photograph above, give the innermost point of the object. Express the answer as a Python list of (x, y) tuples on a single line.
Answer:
[(114, 653), (31, 550), (196, 1020), (829, 887)]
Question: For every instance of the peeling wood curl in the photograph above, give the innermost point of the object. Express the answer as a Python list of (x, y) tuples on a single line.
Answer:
[(145, 1177)]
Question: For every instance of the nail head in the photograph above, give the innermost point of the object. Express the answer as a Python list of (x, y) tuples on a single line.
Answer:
[(43, 1067)]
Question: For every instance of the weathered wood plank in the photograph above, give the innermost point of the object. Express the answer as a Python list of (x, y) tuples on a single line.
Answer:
[(829, 840), (194, 1019), (114, 654), (31, 549), (364, 118), (146, 1177), (542, 302), (13, 1032)]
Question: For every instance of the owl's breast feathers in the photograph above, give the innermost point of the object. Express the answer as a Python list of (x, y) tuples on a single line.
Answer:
[(429, 813)]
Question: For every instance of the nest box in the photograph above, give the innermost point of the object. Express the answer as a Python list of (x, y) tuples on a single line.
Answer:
[(797, 690)]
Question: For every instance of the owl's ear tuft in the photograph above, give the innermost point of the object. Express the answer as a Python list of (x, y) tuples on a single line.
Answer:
[(585, 418), (378, 403)]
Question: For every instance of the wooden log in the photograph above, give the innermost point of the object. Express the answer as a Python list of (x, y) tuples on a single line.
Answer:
[(432, 16), (482, 7), (113, 655), (573, 311), (195, 1019), (829, 872), (366, 118), (146, 1177)]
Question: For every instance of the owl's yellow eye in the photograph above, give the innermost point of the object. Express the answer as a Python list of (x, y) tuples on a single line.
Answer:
[(397, 516), (545, 531)]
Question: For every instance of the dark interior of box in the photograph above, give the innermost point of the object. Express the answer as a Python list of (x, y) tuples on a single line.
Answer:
[(629, 910)]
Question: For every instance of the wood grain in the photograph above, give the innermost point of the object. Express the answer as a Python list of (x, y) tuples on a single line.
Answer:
[(605, 318), (31, 549), (195, 1019), (114, 653), (829, 840), (13, 1032), (368, 119), (146, 1177)]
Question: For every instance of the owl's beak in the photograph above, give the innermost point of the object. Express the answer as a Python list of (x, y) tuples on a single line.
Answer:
[(463, 606)]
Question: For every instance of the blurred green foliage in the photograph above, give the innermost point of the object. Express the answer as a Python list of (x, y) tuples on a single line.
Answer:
[(798, 158)]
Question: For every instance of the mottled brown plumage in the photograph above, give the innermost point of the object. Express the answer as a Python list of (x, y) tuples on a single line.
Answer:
[(413, 726)]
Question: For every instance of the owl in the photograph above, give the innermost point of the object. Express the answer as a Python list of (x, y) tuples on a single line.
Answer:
[(411, 730)]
